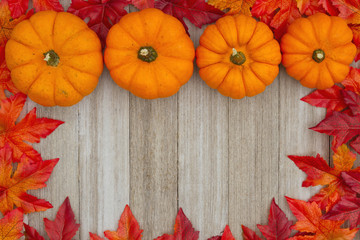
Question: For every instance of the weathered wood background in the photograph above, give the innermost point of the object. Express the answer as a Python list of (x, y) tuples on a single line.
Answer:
[(221, 160)]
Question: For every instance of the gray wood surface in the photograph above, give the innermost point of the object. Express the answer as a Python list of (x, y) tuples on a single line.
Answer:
[(221, 160)]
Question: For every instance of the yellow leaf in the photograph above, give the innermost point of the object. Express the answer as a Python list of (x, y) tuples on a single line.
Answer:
[(234, 6)]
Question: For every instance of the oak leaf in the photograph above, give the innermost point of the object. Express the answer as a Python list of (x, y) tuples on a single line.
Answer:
[(183, 229), (312, 226), (15, 183), (320, 173), (64, 227), (11, 225), (128, 228), (198, 12), (234, 6), (29, 129)]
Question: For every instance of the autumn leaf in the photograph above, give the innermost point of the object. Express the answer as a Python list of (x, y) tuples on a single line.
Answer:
[(352, 100), (278, 15), (278, 227), (29, 129), (332, 99), (356, 39), (352, 81), (27, 176), (348, 208), (309, 7), (234, 6), (11, 225), (19, 7), (7, 22), (183, 229), (31, 233), (348, 9), (198, 12), (227, 235), (319, 173), (142, 4), (128, 228), (249, 234), (102, 14), (5, 80), (64, 227), (329, 7), (311, 224)]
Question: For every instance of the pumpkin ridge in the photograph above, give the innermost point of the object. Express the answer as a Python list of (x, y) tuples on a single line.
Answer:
[(68, 80), (314, 31), (299, 40), (54, 83), (132, 78), (222, 36), (258, 47), (35, 79), (132, 37), (157, 80), (253, 33), (67, 65), (297, 61), (53, 30), (26, 45), (24, 64), (175, 76), (244, 82), (159, 28), (254, 72), (69, 38), (224, 77), (38, 35)]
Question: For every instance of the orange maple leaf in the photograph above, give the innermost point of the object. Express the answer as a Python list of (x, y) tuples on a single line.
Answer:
[(310, 7), (11, 225), (312, 226), (29, 129), (319, 173), (234, 6), (128, 228), (5, 79), (27, 176)]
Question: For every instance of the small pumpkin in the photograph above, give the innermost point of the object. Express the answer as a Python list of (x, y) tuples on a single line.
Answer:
[(54, 58), (317, 50), (238, 56), (149, 54)]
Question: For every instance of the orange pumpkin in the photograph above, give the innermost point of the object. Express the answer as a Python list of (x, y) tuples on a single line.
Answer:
[(54, 58), (238, 56), (149, 54), (317, 50)]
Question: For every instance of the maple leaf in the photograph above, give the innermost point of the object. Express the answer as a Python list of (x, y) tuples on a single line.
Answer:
[(19, 7), (142, 4), (319, 173), (29, 129), (64, 227), (352, 179), (7, 22), (355, 28), (183, 229), (27, 176), (329, 7), (102, 14), (197, 11), (128, 228), (278, 227), (352, 100), (234, 6), (31, 233), (352, 81), (310, 7), (348, 9), (278, 15), (331, 99), (11, 225), (5, 79), (348, 208), (249, 234), (227, 235), (312, 226)]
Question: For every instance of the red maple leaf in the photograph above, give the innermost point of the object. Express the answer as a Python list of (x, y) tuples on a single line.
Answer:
[(278, 15), (64, 227), (227, 235), (197, 11), (249, 234), (27, 176), (329, 7), (332, 99), (128, 228), (11, 225), (142, 4), (31, 233), (312, 226), (29, 129), (102, 14), (352, 81), (19, 7), (352, 100), (319, 173), (310, 7), (183, 229), (348, 208)]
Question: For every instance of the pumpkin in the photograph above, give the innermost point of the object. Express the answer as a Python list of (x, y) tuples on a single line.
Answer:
[(317, 50), (238, 56), (149, 54), (54, 58)]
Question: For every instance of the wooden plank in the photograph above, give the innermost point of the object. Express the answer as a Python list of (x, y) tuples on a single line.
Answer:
[(203, 154), (103, 157), (253, 158), (296, 139), (153, 164)]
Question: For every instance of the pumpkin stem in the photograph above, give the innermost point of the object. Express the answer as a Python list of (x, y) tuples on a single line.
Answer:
[(147, 54), (51, 58), (237, 58), (318, 55)]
